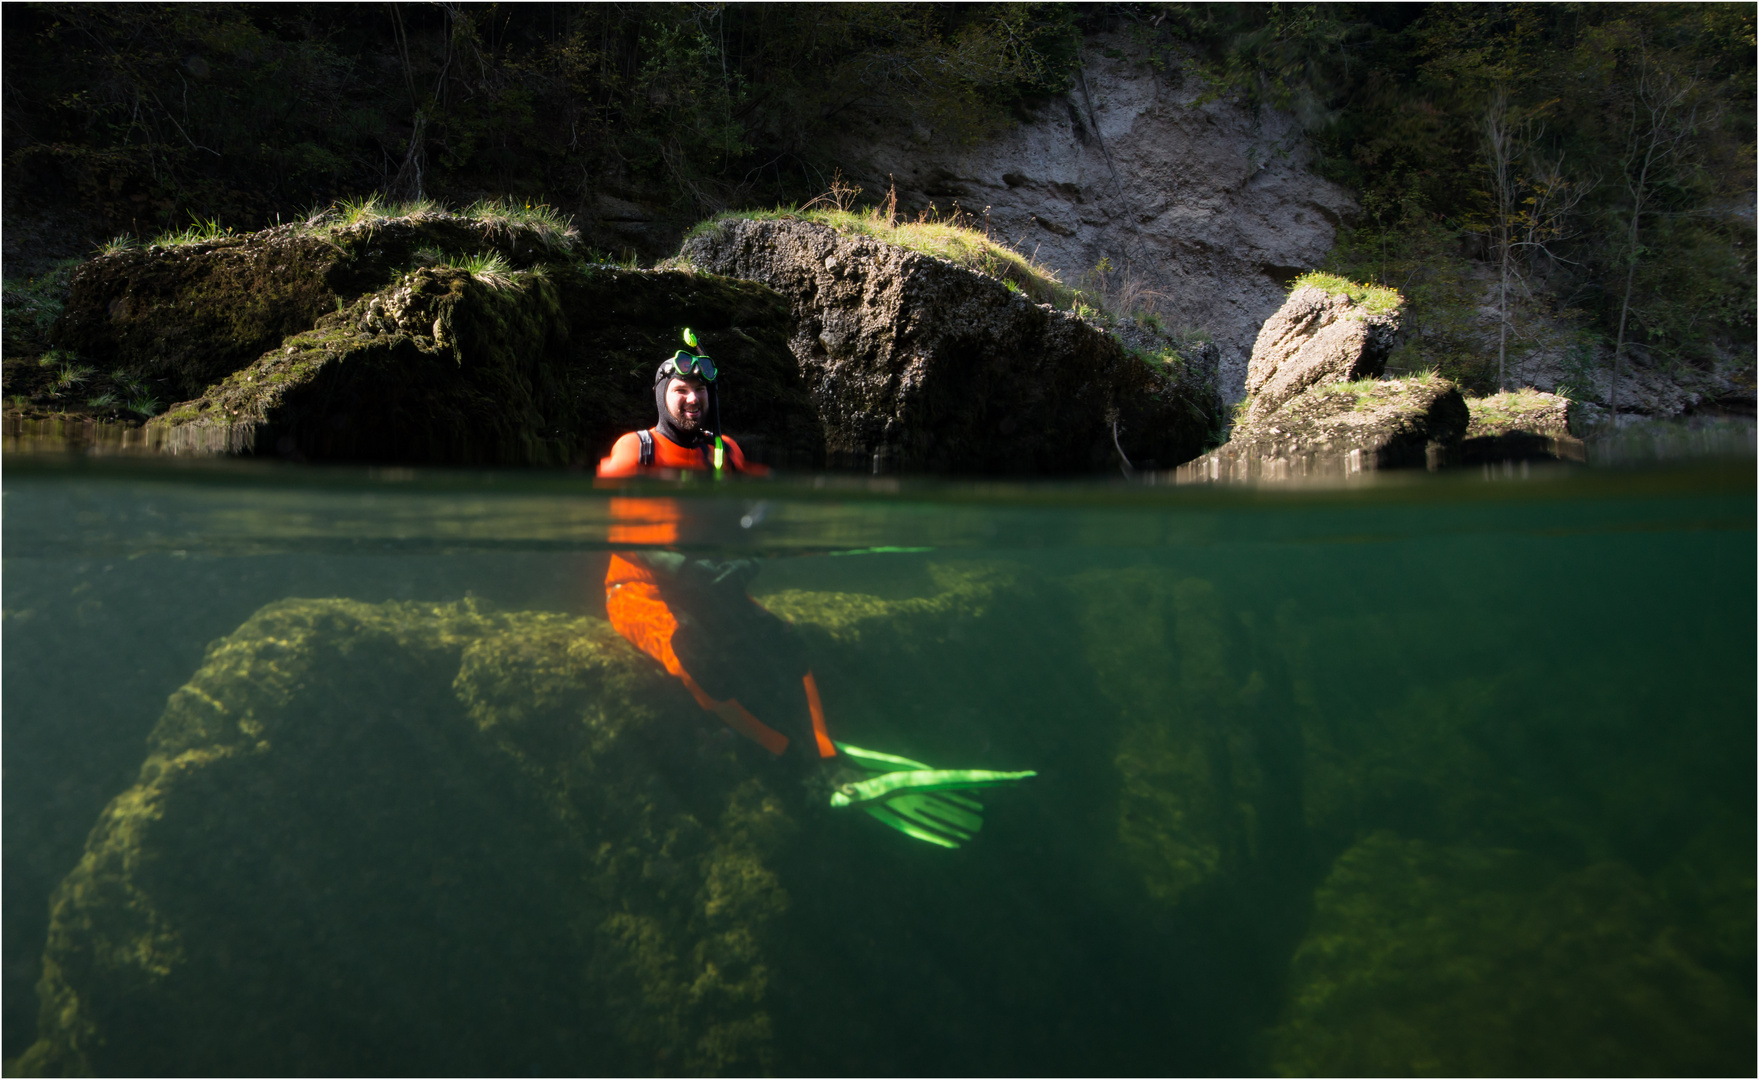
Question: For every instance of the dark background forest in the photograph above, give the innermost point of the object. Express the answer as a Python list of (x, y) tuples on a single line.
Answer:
[(1605, 151)]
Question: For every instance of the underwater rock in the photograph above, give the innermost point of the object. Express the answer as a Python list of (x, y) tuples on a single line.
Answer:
[(1317, 336), (1336, 429), (921, 365), (409, 838), (1426, 960), (1209, 749)]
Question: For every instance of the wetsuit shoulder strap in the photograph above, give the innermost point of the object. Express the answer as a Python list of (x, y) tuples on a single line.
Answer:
[(647, 446)]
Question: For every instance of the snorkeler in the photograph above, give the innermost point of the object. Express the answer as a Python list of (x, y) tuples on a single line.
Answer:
[(737, 659)]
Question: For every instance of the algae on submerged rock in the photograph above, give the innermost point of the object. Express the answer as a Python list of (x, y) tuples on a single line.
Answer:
[(336, 860), (1436, 961)]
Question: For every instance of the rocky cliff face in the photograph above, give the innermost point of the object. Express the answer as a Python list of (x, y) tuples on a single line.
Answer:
[(917, 364), (1205, 210)]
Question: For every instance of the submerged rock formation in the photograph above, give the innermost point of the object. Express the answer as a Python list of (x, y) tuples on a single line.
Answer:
[(917, 364), (1457, 961), (405, 838)]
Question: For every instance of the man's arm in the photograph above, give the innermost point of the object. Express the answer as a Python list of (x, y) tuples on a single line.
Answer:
[(625, 457)]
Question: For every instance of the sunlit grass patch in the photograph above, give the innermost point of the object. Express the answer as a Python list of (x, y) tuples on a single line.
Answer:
[(489, 267), (550, 227), (941, 239), (1376, 298), (198, 232), (359, 211)]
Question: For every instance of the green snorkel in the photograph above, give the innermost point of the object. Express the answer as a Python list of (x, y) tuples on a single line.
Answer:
[(714, 398), (918, 800)]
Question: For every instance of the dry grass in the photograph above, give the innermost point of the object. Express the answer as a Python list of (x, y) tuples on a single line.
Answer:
[(942, 238)]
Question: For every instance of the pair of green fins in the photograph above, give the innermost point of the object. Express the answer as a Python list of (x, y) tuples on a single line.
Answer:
[(919, 800)]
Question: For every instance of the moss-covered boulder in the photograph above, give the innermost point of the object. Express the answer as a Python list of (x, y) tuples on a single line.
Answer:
[(1455, 961), (1338, 429), (425, 338), (543, 366), (920, 364), (1315, 405), (189, 314), (1520, 425), (403, 838)]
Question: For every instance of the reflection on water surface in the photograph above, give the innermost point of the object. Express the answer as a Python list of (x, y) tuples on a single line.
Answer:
[(346, 771)]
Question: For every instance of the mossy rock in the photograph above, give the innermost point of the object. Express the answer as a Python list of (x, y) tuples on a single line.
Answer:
[(414, 838), (397, 340), (1520, 425), (1437, 961), (1336, 429), (189, 314), (543, 366)]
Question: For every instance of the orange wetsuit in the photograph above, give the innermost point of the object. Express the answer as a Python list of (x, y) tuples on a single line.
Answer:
[(639, 611), (625, 456)]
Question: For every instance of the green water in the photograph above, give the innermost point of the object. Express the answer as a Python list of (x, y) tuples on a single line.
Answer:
[(1441, 775)]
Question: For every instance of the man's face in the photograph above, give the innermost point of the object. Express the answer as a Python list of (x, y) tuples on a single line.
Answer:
[(685, 400)]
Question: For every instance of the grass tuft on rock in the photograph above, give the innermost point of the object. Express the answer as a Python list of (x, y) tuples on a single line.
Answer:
[(1378, 299), (940, 239)]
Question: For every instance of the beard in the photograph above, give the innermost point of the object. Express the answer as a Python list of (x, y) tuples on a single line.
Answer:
[(688, 423)]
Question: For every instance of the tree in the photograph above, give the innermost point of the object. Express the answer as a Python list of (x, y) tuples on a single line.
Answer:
[(1663, 112), (1533, 204)]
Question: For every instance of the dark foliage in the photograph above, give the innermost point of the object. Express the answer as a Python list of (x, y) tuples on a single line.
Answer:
[(150, 114)]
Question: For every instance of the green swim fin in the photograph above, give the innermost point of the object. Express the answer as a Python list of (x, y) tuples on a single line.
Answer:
[(921, 802)]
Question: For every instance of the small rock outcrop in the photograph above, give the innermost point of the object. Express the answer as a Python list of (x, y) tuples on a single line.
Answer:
[(915, 363), (1341, 428), (1521, 425), (1315, 405)]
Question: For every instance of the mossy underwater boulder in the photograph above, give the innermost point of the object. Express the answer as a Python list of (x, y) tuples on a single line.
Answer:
[(1425, 960), (411, 838)]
